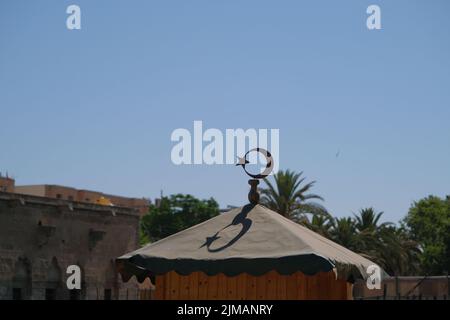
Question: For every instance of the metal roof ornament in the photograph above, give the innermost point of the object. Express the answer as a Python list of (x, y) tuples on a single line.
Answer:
[(253, 195)]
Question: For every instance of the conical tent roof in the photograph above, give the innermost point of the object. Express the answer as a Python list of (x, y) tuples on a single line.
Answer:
[(250, 239)]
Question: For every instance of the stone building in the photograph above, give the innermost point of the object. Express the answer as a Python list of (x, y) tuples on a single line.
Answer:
[(88, 196), (7, 184), (41, 236)]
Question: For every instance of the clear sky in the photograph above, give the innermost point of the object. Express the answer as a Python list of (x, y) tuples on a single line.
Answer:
[(94, 108)]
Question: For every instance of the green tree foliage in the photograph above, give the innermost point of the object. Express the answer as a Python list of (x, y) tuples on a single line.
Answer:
[(386, 244), (383, 243), (290, 197), (343, 231), (428, 223), (389, 246), (321, 224), (175, 213)]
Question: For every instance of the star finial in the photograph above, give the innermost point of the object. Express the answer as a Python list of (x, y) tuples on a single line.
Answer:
[(242, 161)]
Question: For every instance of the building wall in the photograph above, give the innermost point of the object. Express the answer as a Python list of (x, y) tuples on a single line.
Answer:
[(419, 287), (60, 192), (88, 196), (270, 286), (6, 184), (72, 194), (37, 190), (41, 237)]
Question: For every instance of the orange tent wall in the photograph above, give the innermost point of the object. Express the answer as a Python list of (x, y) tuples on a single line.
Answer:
[(197, 285)]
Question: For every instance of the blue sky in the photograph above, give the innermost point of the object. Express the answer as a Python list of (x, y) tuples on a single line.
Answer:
[(94, 108)]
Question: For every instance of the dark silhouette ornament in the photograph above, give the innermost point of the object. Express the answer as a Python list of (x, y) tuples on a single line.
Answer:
[(253, 195)]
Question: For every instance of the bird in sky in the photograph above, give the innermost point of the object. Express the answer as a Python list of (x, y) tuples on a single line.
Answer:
[(338, 153)]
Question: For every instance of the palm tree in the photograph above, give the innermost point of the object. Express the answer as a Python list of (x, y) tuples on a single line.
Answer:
[(384, 243), (322, 224), (368, 219), (369, 231), (290, 198), (395, 251), (344, 232)]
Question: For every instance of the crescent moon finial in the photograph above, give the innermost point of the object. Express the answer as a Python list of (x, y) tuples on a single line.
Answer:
[(253, 195), (242, 161)]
